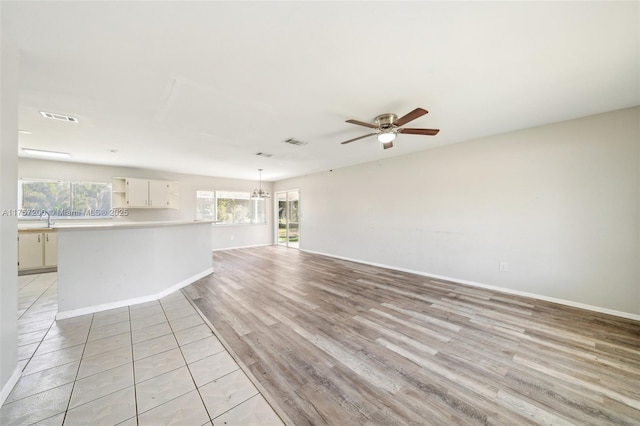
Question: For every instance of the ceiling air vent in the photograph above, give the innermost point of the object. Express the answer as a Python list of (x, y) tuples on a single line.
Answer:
[(263, 154), (294, 141), (60, 117)]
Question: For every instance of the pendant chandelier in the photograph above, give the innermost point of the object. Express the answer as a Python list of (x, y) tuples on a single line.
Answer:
[(259, 192)]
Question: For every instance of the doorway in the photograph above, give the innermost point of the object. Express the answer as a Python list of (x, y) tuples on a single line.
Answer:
[(288, 205)]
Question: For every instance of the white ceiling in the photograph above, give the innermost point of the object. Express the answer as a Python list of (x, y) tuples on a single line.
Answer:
[(201, 87)]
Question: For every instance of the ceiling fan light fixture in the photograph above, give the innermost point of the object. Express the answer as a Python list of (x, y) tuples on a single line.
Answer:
[(386, 137)]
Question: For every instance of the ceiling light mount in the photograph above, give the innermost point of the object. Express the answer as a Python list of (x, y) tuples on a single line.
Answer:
[(388, 130), (260, 193)]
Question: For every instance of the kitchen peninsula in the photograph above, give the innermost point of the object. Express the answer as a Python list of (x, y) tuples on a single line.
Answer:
[(109, 265)]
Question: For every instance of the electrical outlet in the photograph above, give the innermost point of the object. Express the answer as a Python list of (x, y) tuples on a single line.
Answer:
[(504, 266), (232, 238)]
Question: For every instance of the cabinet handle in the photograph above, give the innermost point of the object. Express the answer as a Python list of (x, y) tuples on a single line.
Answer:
[(38, 237), (47, 237)]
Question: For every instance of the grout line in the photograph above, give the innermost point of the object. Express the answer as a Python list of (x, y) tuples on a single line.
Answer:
[(45, 334), (75, 379), (133, 367), (187, 364), (240, 403), (38, 298)]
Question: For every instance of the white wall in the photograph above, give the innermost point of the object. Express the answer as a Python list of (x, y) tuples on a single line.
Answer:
[(224, 236), (8, 223), (559, 203)]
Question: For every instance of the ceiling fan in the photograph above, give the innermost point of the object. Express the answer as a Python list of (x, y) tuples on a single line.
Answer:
[(389, 125)]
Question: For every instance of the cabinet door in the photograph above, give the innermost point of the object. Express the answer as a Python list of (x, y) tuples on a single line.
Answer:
[(30, 250), (174, 195), (50, 249), (158, 193), (137, 193)]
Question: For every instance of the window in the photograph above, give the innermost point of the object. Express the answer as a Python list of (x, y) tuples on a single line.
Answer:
[(64, 199), (230, 207), (205, 205)]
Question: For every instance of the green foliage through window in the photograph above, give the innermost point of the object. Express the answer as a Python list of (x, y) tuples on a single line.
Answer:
[(230, 207), (64, 199)]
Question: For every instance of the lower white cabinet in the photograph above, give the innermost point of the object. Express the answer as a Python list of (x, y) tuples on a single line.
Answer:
[(50, 249), (30, 250), (37, 250)]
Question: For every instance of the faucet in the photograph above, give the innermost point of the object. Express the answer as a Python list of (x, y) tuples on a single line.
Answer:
[(48, 218)]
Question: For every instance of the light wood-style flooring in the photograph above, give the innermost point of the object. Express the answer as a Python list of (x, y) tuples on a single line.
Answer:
[(341, 343)]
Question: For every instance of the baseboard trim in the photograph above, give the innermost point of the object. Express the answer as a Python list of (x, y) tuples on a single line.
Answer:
[(8, 387), (565, 302), (134, 301), (242, 247)]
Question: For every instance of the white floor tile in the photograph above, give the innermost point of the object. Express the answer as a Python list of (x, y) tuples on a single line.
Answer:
[(105, 361), (225, 393), (101, 384), (155, 365), (163, 388), (151, 332), (54, 359), (36, 407), (187, 409), (201, 349), (186, 322), (96, 351), (111, 330), (154, 346), (255, 411), (108, 410), (192, 334), (43, 380), (212, 367), (96, 347)]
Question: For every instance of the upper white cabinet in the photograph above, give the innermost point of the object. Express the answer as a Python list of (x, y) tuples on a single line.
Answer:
[(145, 193)]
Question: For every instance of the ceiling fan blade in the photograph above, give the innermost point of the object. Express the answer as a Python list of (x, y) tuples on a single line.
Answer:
[(418, 112), (359, 137), (428, 132), (362, 123), (387, 145)]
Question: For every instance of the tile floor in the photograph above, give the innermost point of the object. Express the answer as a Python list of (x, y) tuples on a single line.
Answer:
[(156, 363)]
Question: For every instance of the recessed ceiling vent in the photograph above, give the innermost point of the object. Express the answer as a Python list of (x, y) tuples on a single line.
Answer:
[(263, 154), (59, 117), (294, 141)]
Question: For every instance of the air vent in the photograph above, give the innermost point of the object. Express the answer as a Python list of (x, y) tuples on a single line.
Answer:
[(60, 117), (294, 141), (263, 154)]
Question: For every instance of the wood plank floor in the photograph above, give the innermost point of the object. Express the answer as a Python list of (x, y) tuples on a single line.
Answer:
[(341, 343)]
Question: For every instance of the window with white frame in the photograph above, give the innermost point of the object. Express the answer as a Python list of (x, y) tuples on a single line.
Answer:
[(64, 199), (230, 207), (205, 205)]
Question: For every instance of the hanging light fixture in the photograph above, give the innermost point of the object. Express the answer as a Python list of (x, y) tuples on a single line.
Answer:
[(259, 192)]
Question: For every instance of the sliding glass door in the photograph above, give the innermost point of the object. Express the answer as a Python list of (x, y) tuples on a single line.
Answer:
[(288, 204)]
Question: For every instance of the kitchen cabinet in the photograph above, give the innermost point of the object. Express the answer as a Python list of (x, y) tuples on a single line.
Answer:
[(50, 249), (37, 249), (30, 250), (144, 193)]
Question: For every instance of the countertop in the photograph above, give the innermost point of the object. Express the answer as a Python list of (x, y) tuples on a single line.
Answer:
[(107, 225)]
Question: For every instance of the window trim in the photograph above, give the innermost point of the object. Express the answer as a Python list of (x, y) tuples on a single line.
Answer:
[(35, 217), (217, 222)]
